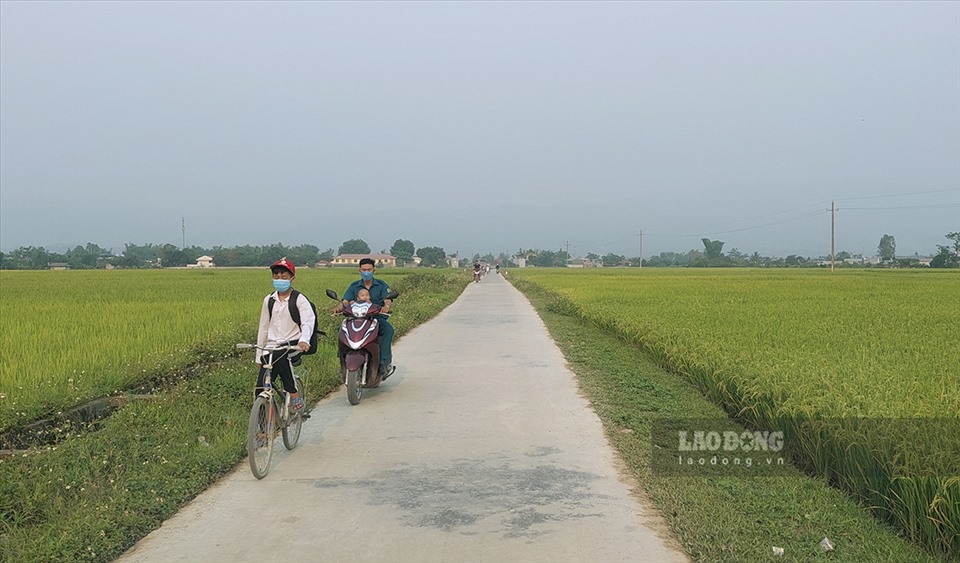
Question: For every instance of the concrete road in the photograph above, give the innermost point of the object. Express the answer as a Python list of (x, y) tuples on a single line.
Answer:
[(479, 448)]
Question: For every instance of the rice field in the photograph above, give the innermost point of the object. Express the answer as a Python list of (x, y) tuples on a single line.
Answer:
[(860, 368), (68, 336)]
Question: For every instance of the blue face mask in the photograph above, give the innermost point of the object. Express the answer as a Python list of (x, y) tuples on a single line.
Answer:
[(281, 285), (367, 276)]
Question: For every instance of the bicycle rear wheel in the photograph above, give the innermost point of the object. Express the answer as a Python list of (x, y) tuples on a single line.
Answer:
[(291, 432), (261, 432)]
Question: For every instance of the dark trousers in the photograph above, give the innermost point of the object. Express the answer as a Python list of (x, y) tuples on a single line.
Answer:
[(281, 367), (386, 339)]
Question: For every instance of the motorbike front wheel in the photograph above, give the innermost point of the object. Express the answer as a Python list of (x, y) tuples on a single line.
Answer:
[(354, 389)]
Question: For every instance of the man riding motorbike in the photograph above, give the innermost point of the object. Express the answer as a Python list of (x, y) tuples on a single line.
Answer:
[(378, 290)]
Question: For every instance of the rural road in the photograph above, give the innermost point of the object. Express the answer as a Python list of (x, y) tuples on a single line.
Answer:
[(479, 448)]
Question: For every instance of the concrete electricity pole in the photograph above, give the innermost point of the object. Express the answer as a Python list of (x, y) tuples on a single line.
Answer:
[(641, 248), (833, 236)]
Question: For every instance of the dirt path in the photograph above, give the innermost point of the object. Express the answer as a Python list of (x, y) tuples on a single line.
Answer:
[(479, 448)]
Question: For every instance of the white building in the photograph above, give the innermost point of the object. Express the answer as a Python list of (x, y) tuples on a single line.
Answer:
[(202, 262)]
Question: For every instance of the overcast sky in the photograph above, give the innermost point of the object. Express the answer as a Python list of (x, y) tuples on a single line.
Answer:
[(481, 126)]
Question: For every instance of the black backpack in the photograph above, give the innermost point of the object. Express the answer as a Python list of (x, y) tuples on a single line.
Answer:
[(295, 315)]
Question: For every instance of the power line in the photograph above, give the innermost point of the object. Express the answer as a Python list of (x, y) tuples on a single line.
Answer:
[(805, 215), (897, 195), (931, 206), (632, 236)]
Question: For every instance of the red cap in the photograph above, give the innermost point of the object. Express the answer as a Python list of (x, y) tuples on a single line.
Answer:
[(284, 263)]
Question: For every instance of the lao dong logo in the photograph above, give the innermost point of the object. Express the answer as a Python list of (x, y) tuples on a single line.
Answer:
[(729, 441)]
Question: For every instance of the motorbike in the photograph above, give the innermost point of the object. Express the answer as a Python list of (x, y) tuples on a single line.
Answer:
[(359, 348), (476, 276)]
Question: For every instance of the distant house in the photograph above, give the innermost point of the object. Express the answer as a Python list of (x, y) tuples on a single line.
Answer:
[(202, 262), (583, 263), (452, 261), (322, 264), (58, 266), (381, 260)]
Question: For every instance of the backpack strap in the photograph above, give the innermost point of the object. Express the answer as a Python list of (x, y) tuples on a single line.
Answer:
[(294, 310), (292, 303)]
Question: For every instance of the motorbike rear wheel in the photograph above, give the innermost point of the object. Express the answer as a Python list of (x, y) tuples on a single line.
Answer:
[(354, 389)]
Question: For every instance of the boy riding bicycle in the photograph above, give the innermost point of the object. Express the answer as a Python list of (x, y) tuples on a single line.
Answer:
[(277, 328)]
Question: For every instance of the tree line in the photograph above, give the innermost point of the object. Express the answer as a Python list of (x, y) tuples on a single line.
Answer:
[(93, 256), (149, 255)]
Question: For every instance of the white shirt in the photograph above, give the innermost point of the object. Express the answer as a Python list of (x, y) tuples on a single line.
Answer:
[(279, 329)]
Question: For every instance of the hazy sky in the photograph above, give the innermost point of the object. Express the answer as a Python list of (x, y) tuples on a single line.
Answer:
[(481, 126)]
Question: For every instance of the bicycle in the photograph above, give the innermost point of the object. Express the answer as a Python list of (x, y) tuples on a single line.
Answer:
[(271, 412)]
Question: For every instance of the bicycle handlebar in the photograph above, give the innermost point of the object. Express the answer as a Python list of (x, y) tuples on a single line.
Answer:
[(243, 346)]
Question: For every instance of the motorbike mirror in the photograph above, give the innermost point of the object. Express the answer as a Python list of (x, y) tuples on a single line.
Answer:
[(392, 295), (332, 295)]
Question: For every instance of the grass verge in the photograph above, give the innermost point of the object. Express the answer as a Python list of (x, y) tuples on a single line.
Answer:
[(715, 518), (93, 495)]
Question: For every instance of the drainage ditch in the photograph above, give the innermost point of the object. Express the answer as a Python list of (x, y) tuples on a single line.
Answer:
[(87, 417)]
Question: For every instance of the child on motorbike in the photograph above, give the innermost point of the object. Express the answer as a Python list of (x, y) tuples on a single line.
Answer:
[(277, 328), (362, 304)]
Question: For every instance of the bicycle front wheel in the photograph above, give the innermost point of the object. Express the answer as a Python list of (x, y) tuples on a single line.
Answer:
[(261, 432), (291, 432)]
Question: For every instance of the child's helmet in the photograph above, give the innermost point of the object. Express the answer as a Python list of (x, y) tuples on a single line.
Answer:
[(286, 264)]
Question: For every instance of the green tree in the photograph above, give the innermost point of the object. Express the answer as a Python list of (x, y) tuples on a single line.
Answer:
[(736, 257), (613, 260), (354, 246), (549, 259), (948, 255), (887, 249), (79, 258), (305, 254), (713, 249), (403, 251), (697, 259), (173, 257), (135, 256), (29, 258), (794, 260), (432, 256)]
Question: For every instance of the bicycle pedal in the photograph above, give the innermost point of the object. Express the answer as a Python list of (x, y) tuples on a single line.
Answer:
[(304, 416)]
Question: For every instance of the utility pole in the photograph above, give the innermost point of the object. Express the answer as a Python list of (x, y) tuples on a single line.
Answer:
[(641, 248), (833, 236), (183, 228)]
